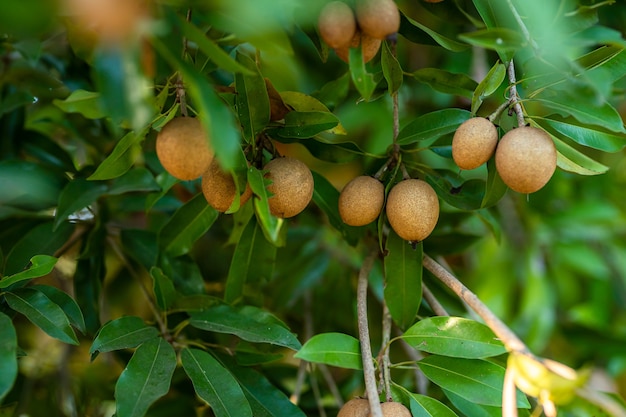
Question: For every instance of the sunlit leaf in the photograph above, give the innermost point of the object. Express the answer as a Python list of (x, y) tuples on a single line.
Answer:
[(335, 349), (307, 124), (122, 333), (40, 265), (121, 158), (424, 406), (431, 126), (590, 136), (572, 160), (271, 225), (488, 85), (84, 102)]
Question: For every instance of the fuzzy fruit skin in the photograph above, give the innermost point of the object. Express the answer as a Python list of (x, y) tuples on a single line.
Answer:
[(369, 47), (292, 186), (378, 18), (336, 24), (183, 148), (361, 201), (412, 209), (393, 409), (474, 142), (356, 407), (526, 159), (218, 187)]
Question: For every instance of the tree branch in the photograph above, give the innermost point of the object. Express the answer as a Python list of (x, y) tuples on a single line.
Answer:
[(514, 97)]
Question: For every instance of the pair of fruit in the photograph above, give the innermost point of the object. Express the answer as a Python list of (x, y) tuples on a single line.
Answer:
[(360, 407), (412, 206), (371, 22), (184, 150), (525, 157)]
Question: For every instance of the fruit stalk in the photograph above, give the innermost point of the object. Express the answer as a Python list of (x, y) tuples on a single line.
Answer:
[(517, 107)]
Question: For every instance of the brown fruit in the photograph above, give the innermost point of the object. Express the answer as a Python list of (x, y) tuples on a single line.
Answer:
[(218, 187), (336, 24), (369, 47), (412, 209), (356, 407), (292, 186), (474, 142), (378, 18), (393, 409), (183, 149), (526, 159), (361, 201)]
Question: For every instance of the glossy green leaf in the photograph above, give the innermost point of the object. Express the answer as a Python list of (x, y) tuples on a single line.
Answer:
[(446, 81), (415, 31), (87, 103), (252, 100), (226, 319), (572, 160), (495, 188), (488, 85), (163, 287), (78, 194), (403, 279), (135, 180), (590, 136), (39, 266), (307, 124), (145, 379), (270, 224), (469, 408), (424, 406), (392, 70), (362, 80), (253, 261), (503, 40), (214, 384), (8, 355), (467, 196), (335, 349), (431, 126), (124, 333), (187, 225), (609, 58), (42, 312), (454, 336), (121, 158), (476, 380), (333, 92), (67, 304)]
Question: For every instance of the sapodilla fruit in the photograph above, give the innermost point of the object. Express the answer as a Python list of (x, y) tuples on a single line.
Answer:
[(369, 47), (218, 187), (361, 201), (378, 18), (474, 142), (393, 409), (336, 24), (292, 186), (183, 149), (356, 407), (412, 209), (526, 159)]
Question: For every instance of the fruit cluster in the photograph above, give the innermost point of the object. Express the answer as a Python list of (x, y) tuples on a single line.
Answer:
[(525, 157), (371, 22), (184, 150), (359, 407)]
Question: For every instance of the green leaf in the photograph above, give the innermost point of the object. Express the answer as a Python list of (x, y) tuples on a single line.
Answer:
[(446, 82), (42, 312), (145, 379), (403, 279), (214, 384), (414, 31), (186, 225), (363, 80), (335, 349), (136, 180), (423, 406), (226, 319), (28, 186), (121, 158), (503, 40), (67, 304), (77, 194), (87, 103), (432, 126), (495, 188), (8, 355), (391, 69), (40, 265), (141, 245), (270, 224), (303, 125), (572, 160), (475, 380), (252, 100), (488, 85), (454, 336), (163, 287), (123, 333), (301, 102), (466, 196), (592, 137), (253, 261)]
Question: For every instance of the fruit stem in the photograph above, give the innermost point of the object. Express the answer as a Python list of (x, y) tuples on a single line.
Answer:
[(497, 112), (369, 374), (180, 86), (514, 97)]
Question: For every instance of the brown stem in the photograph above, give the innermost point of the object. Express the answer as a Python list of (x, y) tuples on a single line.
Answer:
[(432, 301), (514, 97)]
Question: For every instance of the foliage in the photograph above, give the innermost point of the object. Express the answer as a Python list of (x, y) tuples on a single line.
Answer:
[(141, 299)]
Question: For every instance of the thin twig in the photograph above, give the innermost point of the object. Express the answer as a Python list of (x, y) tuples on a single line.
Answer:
[(369, 373), (432, 301), (514, 96), (385, 361), (421, 382)]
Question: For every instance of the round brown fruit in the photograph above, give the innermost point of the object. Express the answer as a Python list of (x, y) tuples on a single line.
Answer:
[(412, 209), (292, 186), (526, 159), (369, 47), (336, 24), (356, 407), (183, 149), (218, 187), (393, 409), (361, 201), (474, 142), (378, 18)]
